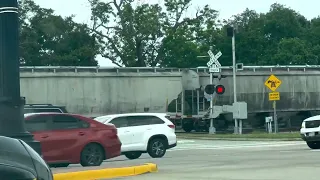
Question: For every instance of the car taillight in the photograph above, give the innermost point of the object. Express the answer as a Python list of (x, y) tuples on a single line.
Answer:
[(171, 126)]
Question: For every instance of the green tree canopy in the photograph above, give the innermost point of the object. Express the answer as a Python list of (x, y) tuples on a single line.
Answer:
[(50, 40), (279, 37), (148, 35), (131, 35)]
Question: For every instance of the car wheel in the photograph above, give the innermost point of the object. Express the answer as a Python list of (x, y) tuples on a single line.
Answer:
[(314, 144), (187, 127), (92, 155), (157, 148), (133, 155)]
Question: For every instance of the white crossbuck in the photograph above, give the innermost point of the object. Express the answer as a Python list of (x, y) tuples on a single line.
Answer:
[(214, 59), (214, 64)]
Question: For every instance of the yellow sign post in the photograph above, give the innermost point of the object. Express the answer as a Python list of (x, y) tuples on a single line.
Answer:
[(273, 84)]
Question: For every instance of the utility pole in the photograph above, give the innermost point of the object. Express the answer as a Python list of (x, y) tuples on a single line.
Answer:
[(231, 32), (11, 104)]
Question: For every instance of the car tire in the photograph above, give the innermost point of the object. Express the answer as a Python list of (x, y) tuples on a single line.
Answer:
[(92, 155), (133, 154), (157, 148), (187, 127), (314, 144)]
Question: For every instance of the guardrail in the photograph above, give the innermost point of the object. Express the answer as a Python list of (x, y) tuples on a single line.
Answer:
[(93, 69)]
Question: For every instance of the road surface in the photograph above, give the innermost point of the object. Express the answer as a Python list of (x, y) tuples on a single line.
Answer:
[(228, 160)]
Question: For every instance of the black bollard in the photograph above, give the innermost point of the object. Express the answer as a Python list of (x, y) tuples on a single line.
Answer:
[(11, 104)]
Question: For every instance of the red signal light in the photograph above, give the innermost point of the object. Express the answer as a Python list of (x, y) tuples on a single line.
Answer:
[(220, 89)]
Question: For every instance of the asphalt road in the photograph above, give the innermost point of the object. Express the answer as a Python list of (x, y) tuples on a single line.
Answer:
[(227, 160)]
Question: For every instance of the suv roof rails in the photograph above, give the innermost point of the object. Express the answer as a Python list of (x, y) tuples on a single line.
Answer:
[(38, 105)]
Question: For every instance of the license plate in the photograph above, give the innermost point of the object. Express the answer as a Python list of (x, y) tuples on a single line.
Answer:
[(311, 134)]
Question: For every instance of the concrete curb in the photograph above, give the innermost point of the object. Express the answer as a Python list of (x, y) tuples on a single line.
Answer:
[(107, 173)]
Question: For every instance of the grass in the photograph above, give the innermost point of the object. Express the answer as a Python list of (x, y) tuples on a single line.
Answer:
[(254, 135)]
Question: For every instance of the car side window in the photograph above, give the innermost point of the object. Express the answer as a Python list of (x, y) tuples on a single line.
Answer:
[(38, 123), (61, 122), (120, 122), (156, 120), (144, 120), (138, 120)]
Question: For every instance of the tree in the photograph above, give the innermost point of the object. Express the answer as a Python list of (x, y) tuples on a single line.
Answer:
[(294, 51), (250, 39), (280, 36), (149, 35), (153, 35), (50, 40)]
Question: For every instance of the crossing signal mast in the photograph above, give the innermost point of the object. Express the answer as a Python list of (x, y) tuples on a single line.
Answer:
[(211, 89), (238, 109)]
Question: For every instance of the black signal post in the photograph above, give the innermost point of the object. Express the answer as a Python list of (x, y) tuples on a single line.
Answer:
[(11, 104)]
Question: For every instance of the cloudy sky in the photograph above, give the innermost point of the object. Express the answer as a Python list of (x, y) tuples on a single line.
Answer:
[(227, 8)]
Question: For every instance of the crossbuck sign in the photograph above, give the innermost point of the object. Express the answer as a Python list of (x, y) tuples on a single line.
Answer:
[(214, 65)]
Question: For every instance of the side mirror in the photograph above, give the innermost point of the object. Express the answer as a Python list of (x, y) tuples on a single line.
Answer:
[(19, 161)]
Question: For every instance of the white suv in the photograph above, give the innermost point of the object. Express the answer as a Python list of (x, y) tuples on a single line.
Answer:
[(310, 131), (139, 133)]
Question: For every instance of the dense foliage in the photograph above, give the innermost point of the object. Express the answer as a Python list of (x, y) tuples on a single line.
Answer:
[(152, 35), (50, 40)]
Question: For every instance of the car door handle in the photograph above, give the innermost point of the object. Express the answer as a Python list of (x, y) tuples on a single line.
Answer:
[(44, 136), (149, 129), (81, 133)]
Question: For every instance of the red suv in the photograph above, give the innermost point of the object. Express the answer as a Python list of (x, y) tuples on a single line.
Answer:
[(71, 139)]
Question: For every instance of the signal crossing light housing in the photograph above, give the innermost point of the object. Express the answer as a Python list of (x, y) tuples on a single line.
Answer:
[(211, 88), (220, 89), (230, 31)]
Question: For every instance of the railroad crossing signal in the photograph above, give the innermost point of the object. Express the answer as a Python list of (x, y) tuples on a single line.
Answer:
[(273, 82), (214, 65), (211, 88), (220, 89)]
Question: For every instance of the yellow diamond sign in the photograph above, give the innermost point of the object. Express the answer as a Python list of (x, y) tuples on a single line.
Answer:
[(273, 82)]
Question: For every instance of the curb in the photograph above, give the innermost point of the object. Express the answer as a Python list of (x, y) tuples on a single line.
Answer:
[(107, 173)]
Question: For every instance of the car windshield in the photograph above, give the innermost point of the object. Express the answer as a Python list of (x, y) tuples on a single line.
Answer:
[(102, 119)]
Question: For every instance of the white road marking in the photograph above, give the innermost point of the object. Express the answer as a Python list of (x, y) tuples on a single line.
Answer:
[(185, 141), (240, 146), (315, 150), (287, 151)]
